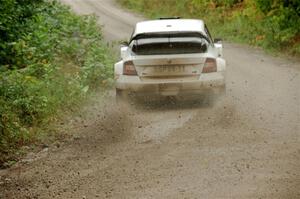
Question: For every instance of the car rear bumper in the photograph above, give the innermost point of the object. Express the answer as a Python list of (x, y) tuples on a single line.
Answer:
[(213, 83)]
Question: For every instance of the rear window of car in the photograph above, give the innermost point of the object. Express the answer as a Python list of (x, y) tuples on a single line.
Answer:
[(169, 44)]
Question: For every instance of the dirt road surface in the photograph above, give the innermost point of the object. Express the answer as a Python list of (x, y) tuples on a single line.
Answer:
[(246, 146)]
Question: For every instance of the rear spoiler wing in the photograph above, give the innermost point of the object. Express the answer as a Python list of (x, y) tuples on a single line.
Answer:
[(166, 18), (168, 34)]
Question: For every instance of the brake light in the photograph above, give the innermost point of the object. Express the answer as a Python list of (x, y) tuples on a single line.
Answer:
[(129, 68), (210, 66)]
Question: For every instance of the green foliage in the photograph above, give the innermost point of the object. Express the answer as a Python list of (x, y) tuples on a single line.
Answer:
[(13, 17), (50, 60), (282, 23), (264, 5), (271, 24)]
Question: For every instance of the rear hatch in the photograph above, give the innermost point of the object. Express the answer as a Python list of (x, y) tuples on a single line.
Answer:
[(169, 55), (187, 67)]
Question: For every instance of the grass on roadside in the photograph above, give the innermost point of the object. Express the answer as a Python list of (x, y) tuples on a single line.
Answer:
[(50, 65)]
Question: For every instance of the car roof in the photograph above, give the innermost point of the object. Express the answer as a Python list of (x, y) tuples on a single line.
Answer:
[(169, 25)]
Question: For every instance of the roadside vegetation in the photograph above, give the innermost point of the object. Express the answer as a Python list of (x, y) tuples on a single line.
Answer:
[(50, 60), (271, 24)]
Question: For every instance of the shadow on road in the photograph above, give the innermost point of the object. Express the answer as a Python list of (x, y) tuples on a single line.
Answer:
[(173, 103)]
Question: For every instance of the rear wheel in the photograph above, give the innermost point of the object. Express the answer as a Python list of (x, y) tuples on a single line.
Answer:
[(222, 93), (210, 98), (121, 96)]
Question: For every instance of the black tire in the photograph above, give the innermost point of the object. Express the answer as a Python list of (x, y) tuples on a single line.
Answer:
[(223, 91), (210, 98), (121, 96)]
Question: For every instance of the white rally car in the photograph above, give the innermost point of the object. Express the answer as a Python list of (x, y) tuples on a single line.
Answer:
[(170, 57)]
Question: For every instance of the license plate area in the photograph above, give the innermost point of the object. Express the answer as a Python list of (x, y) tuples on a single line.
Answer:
[(169, 69)]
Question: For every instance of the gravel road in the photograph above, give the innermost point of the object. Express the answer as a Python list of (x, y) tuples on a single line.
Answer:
[(245, 146)]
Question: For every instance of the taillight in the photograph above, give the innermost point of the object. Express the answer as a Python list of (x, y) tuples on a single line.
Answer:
[(129, 68), (210, 66)]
